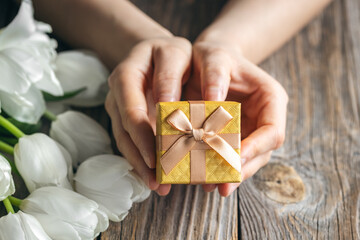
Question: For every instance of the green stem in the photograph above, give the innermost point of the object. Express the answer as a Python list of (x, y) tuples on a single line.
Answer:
[(11, 127), (49, 115), (8, 206), (15, 201), (6, 148)]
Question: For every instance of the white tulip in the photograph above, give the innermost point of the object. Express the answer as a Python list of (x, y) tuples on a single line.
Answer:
[(82, 136), (108, 180), (21, 226), (27, 58), (79, 69), (65, 214), (27, 55), (42, 161), (27, 107), (7, 186)]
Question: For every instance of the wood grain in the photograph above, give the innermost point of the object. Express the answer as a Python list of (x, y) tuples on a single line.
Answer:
[(320, 69)]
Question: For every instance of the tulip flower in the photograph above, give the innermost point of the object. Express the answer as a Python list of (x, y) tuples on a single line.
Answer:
[(21, 226), (82, 136), (7, 186), (108, 180), (42, 161), (27, 58), (65, 214), (82, 69), (27, 107)]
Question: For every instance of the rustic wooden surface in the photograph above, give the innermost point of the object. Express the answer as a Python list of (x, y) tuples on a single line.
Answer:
[(311, 187)]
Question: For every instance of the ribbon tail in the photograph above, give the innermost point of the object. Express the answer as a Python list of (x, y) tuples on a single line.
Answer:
[(176, 153), (225, 150)]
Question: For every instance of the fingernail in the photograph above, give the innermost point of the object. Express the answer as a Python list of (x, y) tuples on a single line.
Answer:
[(243, 161), (233, 188)]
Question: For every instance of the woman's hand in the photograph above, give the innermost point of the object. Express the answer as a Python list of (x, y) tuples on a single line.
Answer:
[(153, 71), (221, 72)]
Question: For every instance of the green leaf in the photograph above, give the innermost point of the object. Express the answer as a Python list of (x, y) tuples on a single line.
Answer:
[(9, 140), (24, 127), (51, 98)]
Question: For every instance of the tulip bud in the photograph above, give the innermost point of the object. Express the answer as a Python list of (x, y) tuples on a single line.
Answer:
[(43, 162), (82, 136), (7, 186), (108, 180), (21, 226), (79, 69), (65, 214)]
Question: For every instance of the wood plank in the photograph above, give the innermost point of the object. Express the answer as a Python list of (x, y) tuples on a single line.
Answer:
[(187, 212), (320, 70)]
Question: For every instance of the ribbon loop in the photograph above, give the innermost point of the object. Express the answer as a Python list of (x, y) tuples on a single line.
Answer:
[(208, 133)]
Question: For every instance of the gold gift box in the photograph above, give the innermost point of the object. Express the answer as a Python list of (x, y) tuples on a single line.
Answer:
[(217, 169)]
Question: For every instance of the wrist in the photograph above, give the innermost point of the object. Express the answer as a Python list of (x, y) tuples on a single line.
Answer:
[(217, 37)]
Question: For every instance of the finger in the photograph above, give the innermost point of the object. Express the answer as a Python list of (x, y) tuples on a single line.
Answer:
[(215, 76), (248, 170), (209, 187), (127, 147), (163, 189), (253, 165), (171, 64), (225, 189), (270, 132), (129, 82)]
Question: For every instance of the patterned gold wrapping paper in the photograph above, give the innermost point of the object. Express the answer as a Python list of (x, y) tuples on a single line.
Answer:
[(187, 170)]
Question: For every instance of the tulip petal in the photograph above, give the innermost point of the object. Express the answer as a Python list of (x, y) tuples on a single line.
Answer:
[(106, 180), (56, 228), (78, 69), (141, 191), (63, 203), (21, 226), (7, 186), (27, 107), (42, 162), (13, 78), (82, 136), (58, 207), (111, 166), (21, 27)]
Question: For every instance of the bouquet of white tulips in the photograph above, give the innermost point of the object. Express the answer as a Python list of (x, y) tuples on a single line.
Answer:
[(62, 204)]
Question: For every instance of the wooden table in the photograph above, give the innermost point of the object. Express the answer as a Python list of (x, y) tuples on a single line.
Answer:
[(311, 187)]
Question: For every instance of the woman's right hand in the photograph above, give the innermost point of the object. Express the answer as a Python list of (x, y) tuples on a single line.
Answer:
[(154, 71)]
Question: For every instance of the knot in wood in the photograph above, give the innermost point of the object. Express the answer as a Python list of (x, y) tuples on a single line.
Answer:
[(280, 183)]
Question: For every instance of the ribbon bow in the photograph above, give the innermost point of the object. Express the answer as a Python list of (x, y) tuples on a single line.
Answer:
[(207, 134)]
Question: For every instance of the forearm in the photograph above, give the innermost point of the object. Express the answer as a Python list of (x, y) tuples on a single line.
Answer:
[(108, 27), (259, 27)]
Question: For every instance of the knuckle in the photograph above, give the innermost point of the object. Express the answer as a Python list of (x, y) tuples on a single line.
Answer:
[(166, 77), (255, 149), (214, 74), (132, 116), (173, 50), (116, 76), (279, 138)]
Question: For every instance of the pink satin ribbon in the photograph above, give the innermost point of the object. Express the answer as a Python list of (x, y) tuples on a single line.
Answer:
[(208, 133)]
